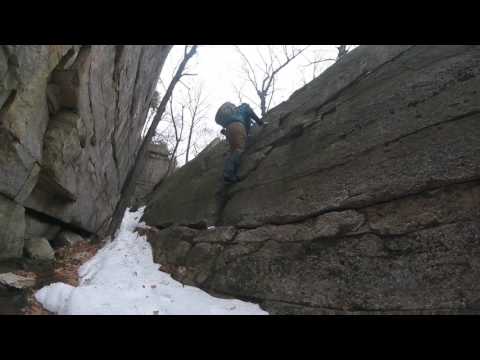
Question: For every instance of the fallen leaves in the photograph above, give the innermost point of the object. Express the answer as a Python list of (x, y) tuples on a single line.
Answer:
[(69, 260), (34, 307)]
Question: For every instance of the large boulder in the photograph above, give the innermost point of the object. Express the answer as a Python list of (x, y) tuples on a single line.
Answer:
[(39, 249), (360, 196)]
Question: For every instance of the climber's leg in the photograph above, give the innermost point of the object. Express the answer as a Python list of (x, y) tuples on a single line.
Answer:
[(236, 136), (230, 170)]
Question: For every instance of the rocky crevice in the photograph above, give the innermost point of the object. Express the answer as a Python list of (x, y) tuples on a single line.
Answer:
[(52, 221), (7, 103), (116, 83)]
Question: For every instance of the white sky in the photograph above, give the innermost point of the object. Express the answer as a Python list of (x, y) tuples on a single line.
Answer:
[(219, 71)]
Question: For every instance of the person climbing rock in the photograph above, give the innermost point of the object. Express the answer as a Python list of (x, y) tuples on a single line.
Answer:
[(236, 122)]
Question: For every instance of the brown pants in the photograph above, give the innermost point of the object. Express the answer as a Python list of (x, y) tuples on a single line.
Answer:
[(236, 136)]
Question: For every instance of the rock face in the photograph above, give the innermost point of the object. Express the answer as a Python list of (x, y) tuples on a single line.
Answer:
[(156, 167), (361, 196), (70, 123)]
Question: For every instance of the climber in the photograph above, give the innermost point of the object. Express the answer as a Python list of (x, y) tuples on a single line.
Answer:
[(236, 122)]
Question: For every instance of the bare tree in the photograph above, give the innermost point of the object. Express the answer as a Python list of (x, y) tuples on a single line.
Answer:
[(319, 60), (182, 130), (138, 166), (178, 124), (196, 107), (205, 136), (262, 75), (238, 91), (314, 66), (342, 51)]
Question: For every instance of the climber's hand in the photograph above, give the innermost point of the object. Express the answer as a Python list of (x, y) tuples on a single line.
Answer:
[(223, 131)]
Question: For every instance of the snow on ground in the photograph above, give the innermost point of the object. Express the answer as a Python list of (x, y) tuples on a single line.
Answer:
[(122, 279)]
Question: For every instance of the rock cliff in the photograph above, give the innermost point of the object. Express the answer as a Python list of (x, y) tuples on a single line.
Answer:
[(70, 123), (361, 196)]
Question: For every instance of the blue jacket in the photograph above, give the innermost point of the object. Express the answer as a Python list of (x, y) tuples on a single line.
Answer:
[(245, 115)]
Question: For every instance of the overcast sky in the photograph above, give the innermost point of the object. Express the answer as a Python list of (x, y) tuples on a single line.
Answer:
[(219, 71)]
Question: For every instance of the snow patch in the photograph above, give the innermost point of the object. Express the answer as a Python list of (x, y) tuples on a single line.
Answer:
[(122, 279)]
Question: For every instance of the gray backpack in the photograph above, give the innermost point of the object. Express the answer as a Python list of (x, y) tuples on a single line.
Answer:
[(224, 112)]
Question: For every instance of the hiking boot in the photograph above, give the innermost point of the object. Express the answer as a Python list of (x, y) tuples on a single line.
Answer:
[(231, 180)]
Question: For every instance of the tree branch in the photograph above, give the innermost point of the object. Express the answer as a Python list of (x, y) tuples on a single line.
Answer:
[(128, 187)]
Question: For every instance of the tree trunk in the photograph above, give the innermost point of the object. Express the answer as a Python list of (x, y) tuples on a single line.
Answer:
[(263, 106), (128, 188), (189, 140), (342, 51)]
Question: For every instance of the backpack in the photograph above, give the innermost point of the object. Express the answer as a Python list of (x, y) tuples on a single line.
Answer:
[(224, 113)]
